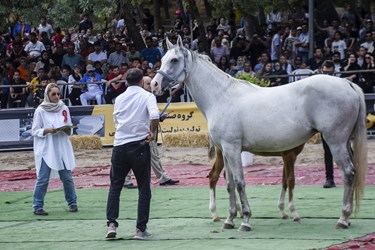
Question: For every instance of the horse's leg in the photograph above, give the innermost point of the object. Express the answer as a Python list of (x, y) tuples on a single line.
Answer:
[(289, 158), (281, 203), (342, 155), (233, 162), (214, 177), (229, 224)]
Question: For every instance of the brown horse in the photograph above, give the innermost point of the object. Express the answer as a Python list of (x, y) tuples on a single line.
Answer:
[(288, 181)]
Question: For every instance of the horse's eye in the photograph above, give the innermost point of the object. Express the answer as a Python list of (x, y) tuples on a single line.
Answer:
[(174, 60)]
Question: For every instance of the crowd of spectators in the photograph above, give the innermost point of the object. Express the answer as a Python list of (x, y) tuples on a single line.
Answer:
[(94, 64)]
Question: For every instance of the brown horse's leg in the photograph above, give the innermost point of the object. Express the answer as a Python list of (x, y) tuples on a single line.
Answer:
[(214, 177), (281, 204), (289, 158)]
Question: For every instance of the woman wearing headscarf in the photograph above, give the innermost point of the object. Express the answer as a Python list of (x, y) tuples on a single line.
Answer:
[(53, 150)]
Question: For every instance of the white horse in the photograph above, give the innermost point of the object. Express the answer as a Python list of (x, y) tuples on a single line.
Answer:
[(243, 117)]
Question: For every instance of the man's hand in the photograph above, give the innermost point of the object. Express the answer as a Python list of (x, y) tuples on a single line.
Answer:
[(150, 137)]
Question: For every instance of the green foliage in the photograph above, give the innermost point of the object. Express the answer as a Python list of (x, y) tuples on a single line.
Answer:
[(254, 80)]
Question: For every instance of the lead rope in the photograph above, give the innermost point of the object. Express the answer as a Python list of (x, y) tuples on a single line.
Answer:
[(159, 127)]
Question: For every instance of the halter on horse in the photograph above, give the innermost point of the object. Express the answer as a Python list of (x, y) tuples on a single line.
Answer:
[(240, 117)]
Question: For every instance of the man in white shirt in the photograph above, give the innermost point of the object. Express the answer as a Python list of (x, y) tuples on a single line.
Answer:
[(97, 55), (34, 47), (135, 112), (44, 26)]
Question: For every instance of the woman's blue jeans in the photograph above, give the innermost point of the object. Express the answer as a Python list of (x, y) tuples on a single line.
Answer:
[(42, 185)]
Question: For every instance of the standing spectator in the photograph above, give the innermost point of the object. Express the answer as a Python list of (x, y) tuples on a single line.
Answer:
[(85, 24), (339, 45), (34, 48), (223, 25), (239, 49), (114, 86), (53, 150), (151, 54), (93, 86), (136, 118), (118, 57), (44, 26), (219, 50), (276, 46), (17, 93), (328, 68), (289, 43), (273, 19), (256, 48), (303, 44), (97, 55)]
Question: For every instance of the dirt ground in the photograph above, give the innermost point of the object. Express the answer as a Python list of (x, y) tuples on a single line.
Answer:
[(311, 155)]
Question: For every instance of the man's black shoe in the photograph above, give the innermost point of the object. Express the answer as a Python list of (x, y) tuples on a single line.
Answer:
[(169, 182), (40, 212), (130, 186), (73, 208), (329, 184)]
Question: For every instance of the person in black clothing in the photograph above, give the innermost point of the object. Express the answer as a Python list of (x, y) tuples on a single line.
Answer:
[(328, 68), (17, 93), (367, 79), (85, 24)]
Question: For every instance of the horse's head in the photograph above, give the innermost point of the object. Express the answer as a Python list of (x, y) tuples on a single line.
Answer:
[(173, 68)]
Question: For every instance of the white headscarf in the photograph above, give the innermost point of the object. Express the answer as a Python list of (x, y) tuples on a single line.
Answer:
[(49, 106)]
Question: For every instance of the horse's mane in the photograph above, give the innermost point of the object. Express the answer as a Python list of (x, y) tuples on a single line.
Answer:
[(195, 56)]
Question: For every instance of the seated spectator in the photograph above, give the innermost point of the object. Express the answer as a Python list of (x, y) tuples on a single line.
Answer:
[(70, 58), (34, 48), (75, 89), (246, 71), (133, 53), (151, 54), (219, 50), (114, 86), (97, 55), (4, 92), (94, 86), (285, 65), (232, 67), (39, 95), (367, 79), (32, 88), (45, 62), (25, 69), (118, 57), (17, 93), (278, 71), (351, 66)]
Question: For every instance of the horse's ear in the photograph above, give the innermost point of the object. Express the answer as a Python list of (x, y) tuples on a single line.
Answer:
[(169, 44), (179, 42)]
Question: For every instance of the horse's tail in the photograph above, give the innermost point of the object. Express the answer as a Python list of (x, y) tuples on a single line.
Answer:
[(360, 149)]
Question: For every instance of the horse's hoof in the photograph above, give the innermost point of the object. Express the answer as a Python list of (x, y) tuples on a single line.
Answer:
[(297, 219), (244, 227), (284, 216), (217, 219), (228, 226), (340, 225)]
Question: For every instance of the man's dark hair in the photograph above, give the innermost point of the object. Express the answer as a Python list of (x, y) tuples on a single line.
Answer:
[(328, 64), (134, 76)]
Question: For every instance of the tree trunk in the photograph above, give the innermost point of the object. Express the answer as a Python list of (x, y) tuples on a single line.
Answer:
[(133, 30), (166, 9), (157, 17), (208, 7), (194, 12)]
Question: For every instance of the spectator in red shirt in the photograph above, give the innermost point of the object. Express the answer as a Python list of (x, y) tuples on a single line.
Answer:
[(114, 86)]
